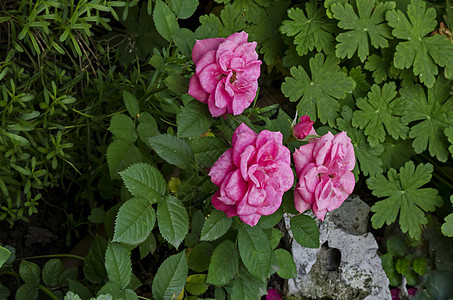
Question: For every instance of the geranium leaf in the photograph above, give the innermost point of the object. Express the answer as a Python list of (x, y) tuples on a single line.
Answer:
[(173, 220), (367, 157), (170, 277), (447, 227), (404, 195), (368, 24), (380, 113), (318, 95), (432, 114), (422, 52), (311, 30), (134, 221)]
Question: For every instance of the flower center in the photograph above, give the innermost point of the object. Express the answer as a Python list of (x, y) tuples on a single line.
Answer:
[(233, 77)]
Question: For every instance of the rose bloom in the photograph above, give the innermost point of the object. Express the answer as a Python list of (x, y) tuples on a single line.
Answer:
[(324, 168), (252, 175), (226, 73), (303, 128)]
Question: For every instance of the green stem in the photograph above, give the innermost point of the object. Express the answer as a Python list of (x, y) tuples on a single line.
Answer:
[(40, 286), (54, 255), (141, 297)]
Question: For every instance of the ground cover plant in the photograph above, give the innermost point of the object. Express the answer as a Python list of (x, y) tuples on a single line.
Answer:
[(175, 134)]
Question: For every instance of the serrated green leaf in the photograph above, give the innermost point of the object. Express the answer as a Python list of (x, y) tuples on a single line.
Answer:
[(118, 264), (120, 155), (305, 231), (131, 104), (255, 250), (173, 220), (134, 221), (177, 83), (311, 30), (148, 246), (282, 123), (380, 113), (68, 274), (72, 296), (194, 119), (367, 157), (196, 284), (93, 267), (405, 196), (231, 20), (184, 39), (200, 257), (29, 272), (147, 127), (271, 220), (369, 23), (51, 272), (224, 264), (247, 286), (144, 181), (175, 151), (319, 94), (170, 277), (287, 267), (165, 20), (207, 150), (27, 292), (276, 236), (216, 225), (449, 133), (79, 289), (433, 114), (4, 255), (422, 52), (184, 8)]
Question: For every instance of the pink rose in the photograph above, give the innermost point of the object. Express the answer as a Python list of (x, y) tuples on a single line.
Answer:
[(324, 169), (226, 74), (273, 294), (252, 175), (304, 128)]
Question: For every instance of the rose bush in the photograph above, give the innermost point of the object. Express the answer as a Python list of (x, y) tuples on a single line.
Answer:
[(303, 128), (324, 168), (252, 175), (226, 74)]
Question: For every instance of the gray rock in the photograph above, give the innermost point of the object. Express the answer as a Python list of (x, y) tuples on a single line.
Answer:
[(346, 266)]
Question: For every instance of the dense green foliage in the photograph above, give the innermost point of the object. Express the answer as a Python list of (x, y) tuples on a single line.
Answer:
[(94, 100)]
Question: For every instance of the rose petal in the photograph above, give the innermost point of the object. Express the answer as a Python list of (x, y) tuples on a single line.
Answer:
[(299, 202), (236, 187), (251, 220), (222, 167), (303, 156), (222, 98), (247, 51), (247, 158), (229, 210), (203, 46), (238, 37), (196, 91), (213, 109), (243, 136), (256, 196), (205, 60), (243, 99), (209, 78)]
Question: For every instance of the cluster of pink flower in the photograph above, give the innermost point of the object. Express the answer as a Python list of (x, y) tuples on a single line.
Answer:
[(255, 173)]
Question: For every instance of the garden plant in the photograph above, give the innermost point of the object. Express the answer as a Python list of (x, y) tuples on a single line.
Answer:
[(171, 137)]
